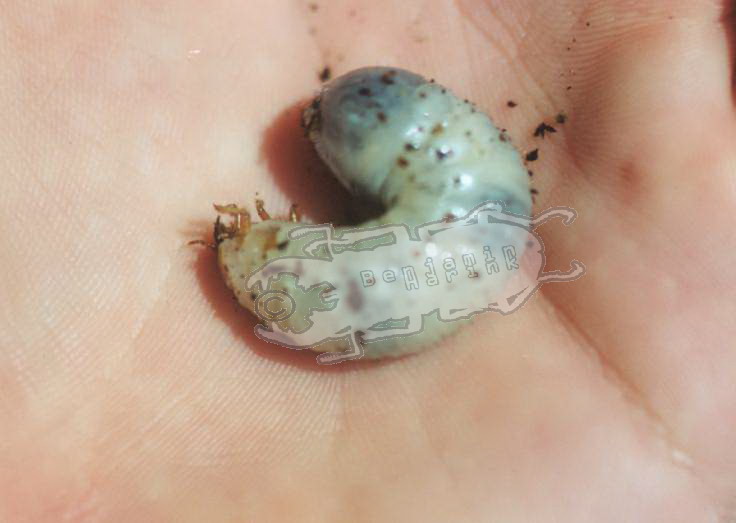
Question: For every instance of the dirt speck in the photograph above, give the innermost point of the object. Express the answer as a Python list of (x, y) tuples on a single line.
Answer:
[(325, 74), (543, 129)]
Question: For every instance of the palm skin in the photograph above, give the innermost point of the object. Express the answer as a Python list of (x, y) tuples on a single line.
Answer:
[(132, 387)]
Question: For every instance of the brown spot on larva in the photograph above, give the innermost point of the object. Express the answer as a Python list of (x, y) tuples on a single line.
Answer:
[(443, 153), (448, 217), (253, 296), (587, 24), (532, 156), (533, 191), (511, 104), (456, 180), (431, 80), (531, 173), (410, 147), (270, 240), (502, 136), (282, 245), (325, 74), (381, 116), (422, 95), (543, 129), (313, 7), (355, 296), (437, 129), (568, 87), (444, 91), (561, 118), (402, 162), (388, 77), (364, 91)]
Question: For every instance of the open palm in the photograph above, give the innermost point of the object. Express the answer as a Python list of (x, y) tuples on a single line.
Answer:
[(132, 386)]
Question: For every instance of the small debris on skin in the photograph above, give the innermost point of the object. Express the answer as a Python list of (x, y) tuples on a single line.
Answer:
[(532, 156), (542, 129), (313, 7), (511, 104), (561, 118), (325, 74)]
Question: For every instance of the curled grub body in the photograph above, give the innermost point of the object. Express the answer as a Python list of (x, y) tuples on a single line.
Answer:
[(429, 158)]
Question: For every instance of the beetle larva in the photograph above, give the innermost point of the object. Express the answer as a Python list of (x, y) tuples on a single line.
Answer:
[(427, 157)]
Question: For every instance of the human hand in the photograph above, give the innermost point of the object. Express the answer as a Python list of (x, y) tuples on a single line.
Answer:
[(133, 388)]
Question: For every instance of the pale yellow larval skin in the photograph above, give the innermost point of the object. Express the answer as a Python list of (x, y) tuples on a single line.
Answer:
[(426, 156)]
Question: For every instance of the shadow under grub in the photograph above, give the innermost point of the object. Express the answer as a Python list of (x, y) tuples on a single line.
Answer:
[(242, 323), (302, 176)]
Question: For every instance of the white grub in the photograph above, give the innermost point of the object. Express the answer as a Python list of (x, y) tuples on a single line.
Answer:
[(426, 155)]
